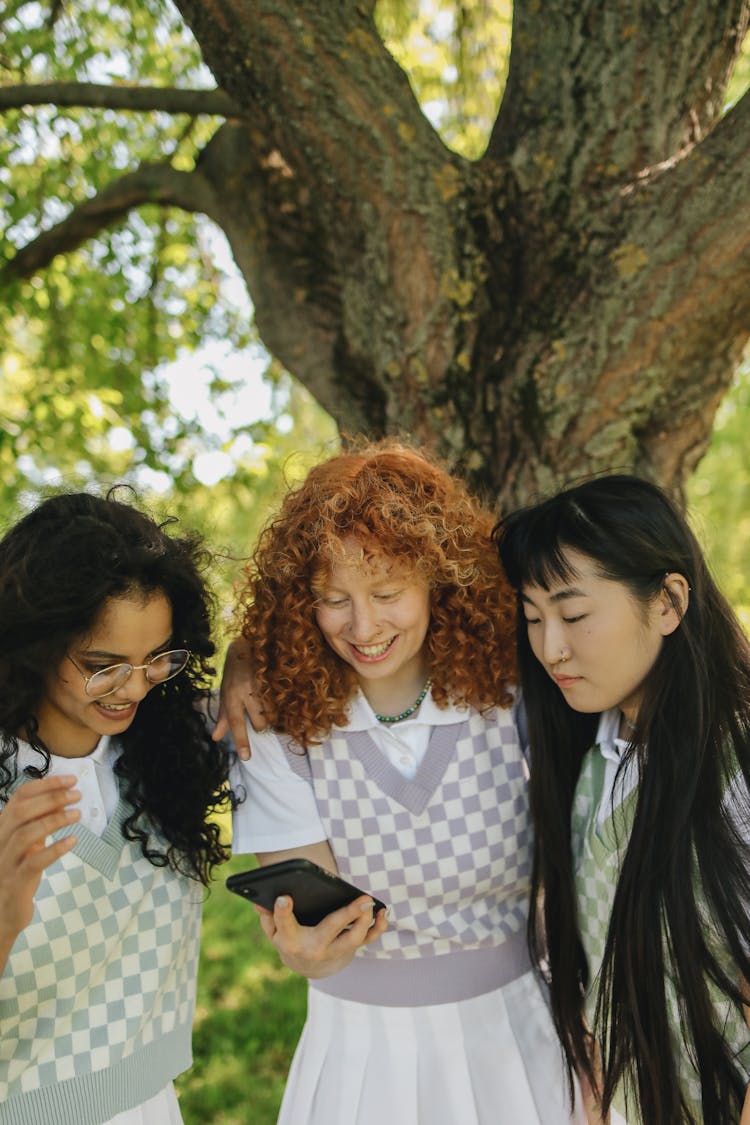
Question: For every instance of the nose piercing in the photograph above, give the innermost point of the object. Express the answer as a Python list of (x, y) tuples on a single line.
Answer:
[(564, 656)]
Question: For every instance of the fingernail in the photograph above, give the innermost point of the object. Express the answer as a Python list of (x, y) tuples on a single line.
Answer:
[(367, 906), (282, 901)]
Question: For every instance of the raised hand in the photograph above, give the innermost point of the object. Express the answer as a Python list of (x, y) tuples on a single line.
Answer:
[(35, 810)]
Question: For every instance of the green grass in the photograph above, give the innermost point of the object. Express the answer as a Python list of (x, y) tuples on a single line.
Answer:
[(248, 1018)]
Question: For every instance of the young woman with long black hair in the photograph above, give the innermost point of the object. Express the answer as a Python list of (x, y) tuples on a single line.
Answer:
[(636, 678)]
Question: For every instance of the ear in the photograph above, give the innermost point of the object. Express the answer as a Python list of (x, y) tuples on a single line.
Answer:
[(672, 602)]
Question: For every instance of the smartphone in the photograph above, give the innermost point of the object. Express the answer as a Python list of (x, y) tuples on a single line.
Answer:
[(315, 892)]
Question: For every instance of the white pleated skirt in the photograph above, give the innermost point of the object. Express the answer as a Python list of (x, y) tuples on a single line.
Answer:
[(162, 1109), (491, 1060)]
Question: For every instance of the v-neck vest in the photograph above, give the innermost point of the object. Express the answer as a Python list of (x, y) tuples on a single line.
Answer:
[(449, 851), (98, 995), (598, 858)]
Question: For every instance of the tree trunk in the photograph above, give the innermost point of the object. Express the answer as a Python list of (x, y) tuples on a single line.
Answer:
[(575, 301)]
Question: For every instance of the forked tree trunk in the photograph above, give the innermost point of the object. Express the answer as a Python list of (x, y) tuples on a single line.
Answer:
[(575, 301)]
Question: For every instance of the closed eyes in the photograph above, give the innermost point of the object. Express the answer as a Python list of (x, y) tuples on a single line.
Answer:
[(567, 620), (337, 603)]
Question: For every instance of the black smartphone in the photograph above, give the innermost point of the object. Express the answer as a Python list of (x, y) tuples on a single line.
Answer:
[(315, 892)]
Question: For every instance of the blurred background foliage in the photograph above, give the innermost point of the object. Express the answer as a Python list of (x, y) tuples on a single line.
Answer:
[(135, 358), (719, 496)]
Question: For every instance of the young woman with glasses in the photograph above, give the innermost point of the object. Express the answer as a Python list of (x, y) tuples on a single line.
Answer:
[(107, 776)]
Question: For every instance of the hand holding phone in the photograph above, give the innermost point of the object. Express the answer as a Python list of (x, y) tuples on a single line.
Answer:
[(315, 892), (315, 948)]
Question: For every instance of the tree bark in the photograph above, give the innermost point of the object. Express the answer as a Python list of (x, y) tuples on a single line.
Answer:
[(575, 301)]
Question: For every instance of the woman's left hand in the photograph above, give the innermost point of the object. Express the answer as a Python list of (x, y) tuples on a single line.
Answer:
[(239, 699), (319, 951)]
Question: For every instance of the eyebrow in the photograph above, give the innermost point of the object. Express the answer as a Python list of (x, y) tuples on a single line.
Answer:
[(100, 652), (561, 595)]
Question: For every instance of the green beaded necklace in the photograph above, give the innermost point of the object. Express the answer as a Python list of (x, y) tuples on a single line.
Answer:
[(409, 710)]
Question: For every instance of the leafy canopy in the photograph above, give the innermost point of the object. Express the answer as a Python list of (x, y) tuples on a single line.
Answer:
[(85, 345)]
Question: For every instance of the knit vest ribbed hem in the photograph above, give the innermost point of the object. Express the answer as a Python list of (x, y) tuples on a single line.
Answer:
[(93, 1098), (397, 982)]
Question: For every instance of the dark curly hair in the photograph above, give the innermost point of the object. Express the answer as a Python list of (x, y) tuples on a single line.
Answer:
[(59, 565), (408, 508)]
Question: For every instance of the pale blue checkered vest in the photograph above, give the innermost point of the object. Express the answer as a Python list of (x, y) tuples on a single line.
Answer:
[(97, 998), (598, 857)]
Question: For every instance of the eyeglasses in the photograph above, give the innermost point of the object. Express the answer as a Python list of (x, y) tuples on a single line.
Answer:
[(157, 670)]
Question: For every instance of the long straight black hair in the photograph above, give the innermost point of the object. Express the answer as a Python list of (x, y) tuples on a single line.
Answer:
[(684, 883)]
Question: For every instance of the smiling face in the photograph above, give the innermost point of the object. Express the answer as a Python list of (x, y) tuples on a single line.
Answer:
[(375, 616), (595, 640), (128, 630)]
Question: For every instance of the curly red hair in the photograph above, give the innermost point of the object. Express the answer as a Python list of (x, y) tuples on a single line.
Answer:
[(402, 505)]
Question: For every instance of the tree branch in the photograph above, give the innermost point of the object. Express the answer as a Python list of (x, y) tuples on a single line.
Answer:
[(273, 224), (660, 318), (340, 108), (150, 183), (140, 99), (598, 91), (703, 199), (336, 117)]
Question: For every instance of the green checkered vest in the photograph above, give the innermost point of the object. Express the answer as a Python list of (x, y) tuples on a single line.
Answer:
[(97, 998), (597, 857)]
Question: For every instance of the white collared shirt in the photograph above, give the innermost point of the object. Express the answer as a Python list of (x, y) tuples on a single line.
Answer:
[(280, 811), (97, 785), (95, 780), (403, 743), (615, 789), (618, 783)]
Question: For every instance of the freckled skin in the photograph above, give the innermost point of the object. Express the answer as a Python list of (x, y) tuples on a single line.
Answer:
[(375, 617)]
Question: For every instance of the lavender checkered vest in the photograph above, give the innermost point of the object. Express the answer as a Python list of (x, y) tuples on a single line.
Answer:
[(449, 852)]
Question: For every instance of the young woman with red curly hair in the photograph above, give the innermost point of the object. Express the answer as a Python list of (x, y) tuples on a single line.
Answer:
[(380, 631)]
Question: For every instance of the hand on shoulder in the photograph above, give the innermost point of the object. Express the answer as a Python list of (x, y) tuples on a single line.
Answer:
[(239, 699)]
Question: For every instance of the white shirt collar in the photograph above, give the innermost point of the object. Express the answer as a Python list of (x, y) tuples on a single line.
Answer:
[(102, 755), (95, 779), (362, 717), (611, 746)]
